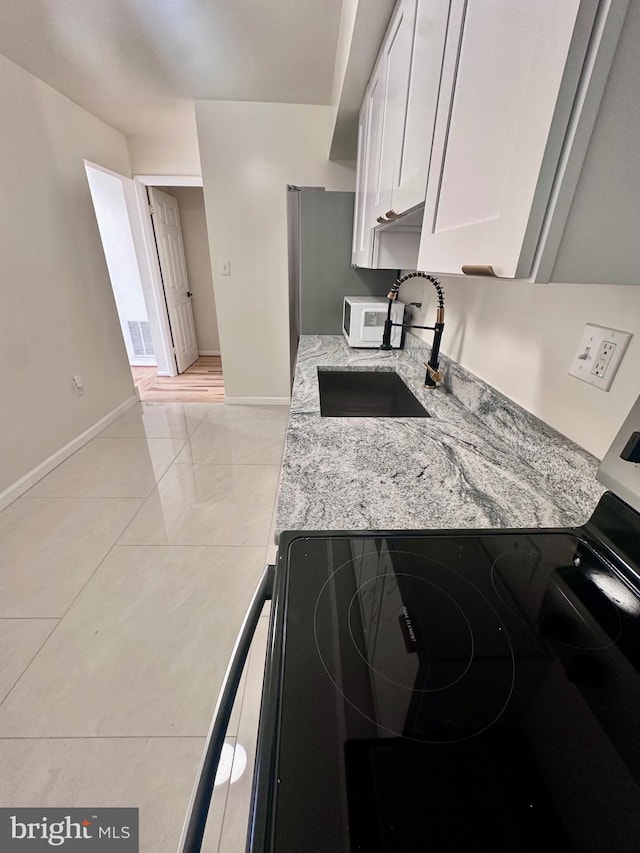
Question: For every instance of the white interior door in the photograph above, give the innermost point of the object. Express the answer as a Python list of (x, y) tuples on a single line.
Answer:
[(166, 224), (141, 233)]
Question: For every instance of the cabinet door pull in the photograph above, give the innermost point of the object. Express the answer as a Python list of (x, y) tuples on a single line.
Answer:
[(391, 214), (479, 269), (381, 220)]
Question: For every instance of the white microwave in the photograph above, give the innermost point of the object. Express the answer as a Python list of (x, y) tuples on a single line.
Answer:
[(363, 320)]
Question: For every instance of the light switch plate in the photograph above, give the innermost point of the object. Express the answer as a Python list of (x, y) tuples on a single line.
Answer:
[(599, 355)]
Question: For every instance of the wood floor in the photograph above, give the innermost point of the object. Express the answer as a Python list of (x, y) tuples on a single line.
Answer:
[(200, 383)]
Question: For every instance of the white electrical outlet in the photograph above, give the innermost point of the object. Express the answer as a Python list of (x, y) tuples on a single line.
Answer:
[(599, 355), (225, 267), (78, 385)]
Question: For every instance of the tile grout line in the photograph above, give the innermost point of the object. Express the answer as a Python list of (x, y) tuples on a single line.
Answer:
[(138, 438), (145, 437), (142, 500), (225, 420), (103, 737), (142, 437), (155, 488), (145, 499), (234, 464), (73, 601), (226, 789), (100, 497), (82, 588), (31, 660), (156, 545), (28, 618), (252, 652), (81, 498), (247, 664)]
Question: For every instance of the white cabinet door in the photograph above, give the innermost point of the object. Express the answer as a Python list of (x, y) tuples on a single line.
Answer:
[(397, 119), (362, 236), (394, 64), (374, 104), (421, 100), (510, 75)]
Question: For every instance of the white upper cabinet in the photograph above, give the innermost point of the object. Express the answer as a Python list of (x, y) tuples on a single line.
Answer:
[(374, 106), (370, 125), (419, 106), (396, 121), (362, 233), (394, 65), (480, 116), (510, 76)]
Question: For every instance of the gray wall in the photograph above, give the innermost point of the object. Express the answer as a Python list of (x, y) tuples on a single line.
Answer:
[(326, 275)]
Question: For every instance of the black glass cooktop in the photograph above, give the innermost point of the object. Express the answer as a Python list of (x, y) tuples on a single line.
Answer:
[(476, 692)]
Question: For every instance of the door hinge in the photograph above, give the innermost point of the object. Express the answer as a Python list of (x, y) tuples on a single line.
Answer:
[(152, 210)]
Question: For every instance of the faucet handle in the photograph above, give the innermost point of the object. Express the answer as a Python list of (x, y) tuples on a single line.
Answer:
[(436, 375)]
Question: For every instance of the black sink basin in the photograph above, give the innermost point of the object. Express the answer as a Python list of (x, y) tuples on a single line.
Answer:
[(366, 394)]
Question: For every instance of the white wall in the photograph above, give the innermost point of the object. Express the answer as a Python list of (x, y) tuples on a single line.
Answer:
[(196, 252), (362, 28), (249, 153), (343, 51), (110, 206), (169, 144), (521, 338), (57, 312)]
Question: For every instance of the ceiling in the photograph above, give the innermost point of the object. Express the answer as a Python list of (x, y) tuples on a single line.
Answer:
[(131, 61)]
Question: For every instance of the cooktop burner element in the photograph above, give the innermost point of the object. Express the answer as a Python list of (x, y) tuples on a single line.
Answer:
[(417, 635)]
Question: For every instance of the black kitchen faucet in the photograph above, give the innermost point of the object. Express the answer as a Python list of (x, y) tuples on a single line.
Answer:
[(433, 375)]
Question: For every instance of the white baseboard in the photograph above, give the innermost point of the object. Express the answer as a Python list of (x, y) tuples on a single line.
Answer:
[(257, 401), (208, 352), (14, 491)]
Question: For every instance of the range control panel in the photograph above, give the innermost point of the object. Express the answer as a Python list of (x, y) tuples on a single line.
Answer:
[(620, 468)]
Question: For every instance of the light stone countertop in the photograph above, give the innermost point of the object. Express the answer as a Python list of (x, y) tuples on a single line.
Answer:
[(479, 461)]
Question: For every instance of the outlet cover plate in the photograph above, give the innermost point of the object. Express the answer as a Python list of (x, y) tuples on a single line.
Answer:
[(599, 355)]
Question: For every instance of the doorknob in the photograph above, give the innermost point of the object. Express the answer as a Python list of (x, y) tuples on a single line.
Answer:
[(189, 293)]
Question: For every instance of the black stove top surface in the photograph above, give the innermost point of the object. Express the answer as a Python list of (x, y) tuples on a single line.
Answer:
[(472, 691)]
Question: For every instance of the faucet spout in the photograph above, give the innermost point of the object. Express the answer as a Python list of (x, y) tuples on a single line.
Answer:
[(433, 375)]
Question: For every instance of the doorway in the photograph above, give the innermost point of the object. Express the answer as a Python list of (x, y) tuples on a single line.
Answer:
[(155, 241), (201, 382)]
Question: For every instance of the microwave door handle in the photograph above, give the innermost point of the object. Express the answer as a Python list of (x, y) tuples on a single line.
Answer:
[(198, 809)]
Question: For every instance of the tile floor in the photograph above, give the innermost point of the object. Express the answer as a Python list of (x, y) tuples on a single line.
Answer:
[(124, 577)]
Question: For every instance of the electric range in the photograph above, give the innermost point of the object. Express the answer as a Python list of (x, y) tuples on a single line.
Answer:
[(457, 690)]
